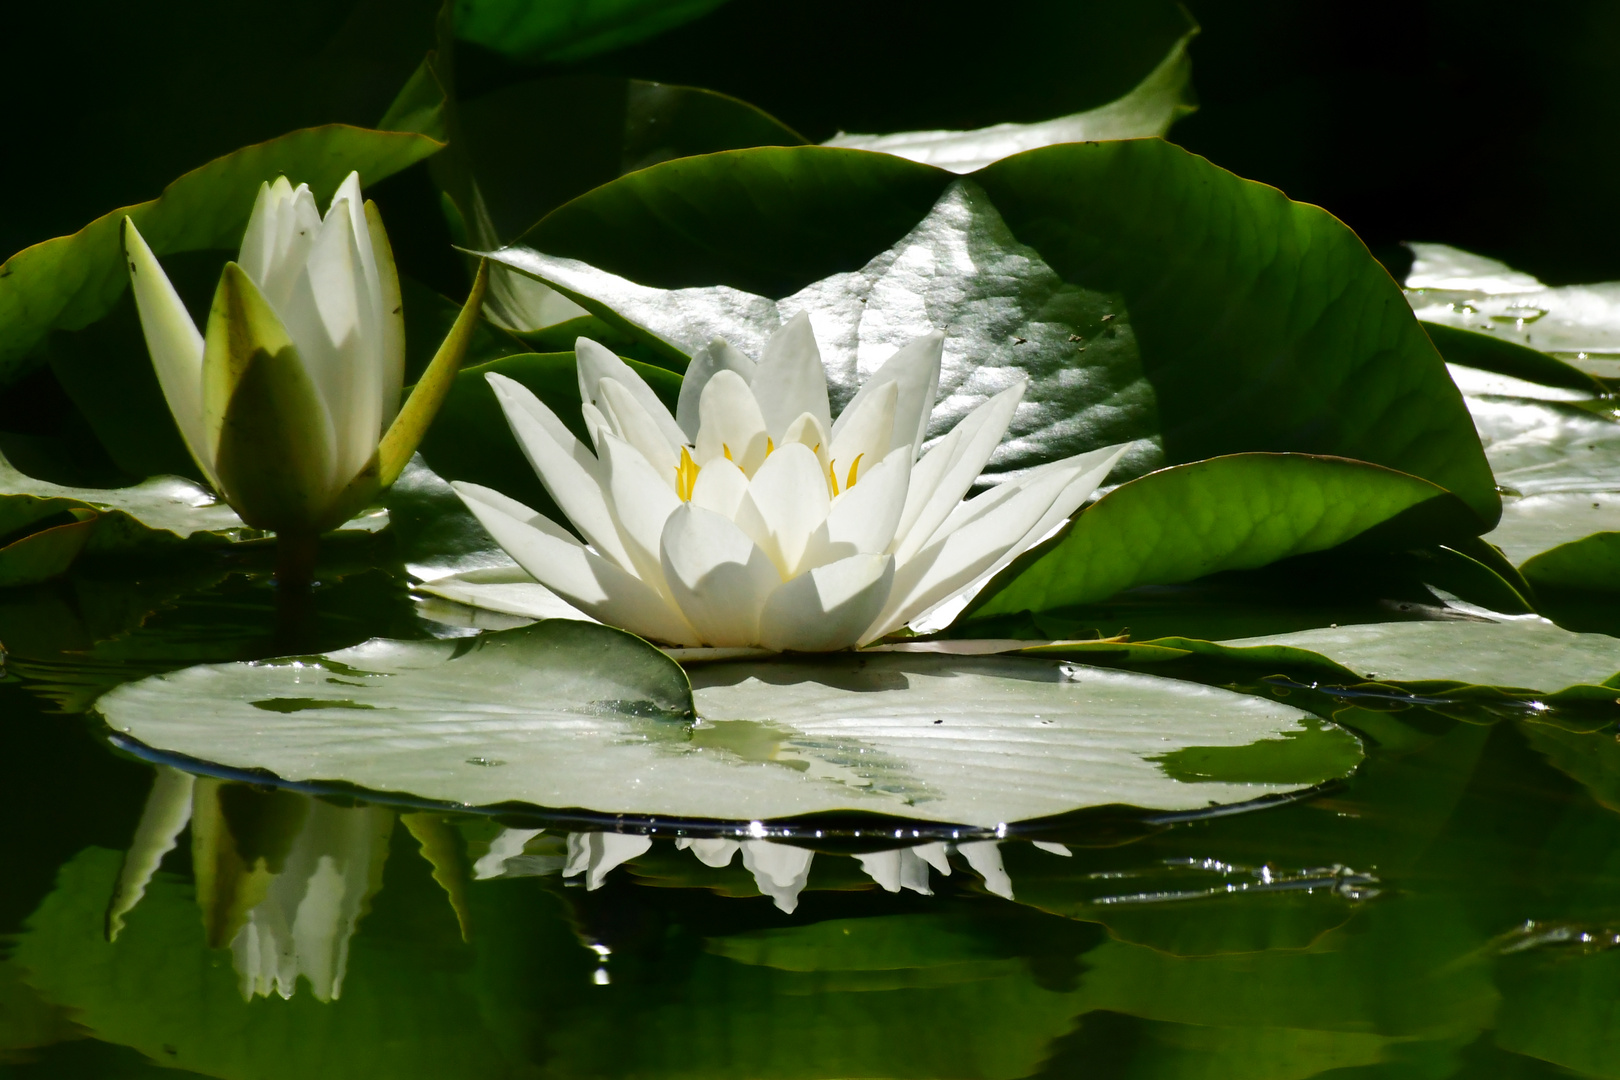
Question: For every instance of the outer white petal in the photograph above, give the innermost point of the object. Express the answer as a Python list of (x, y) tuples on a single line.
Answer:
[(719, 577), (575, 573), (786, 503), (717, 355), (720, 487), (827, 608), (930, 502), (953, 563), (732, 426), (175, 344), (866, 434), (641, 504), (595, 363), (1086, 472), (570, 484), (790, 379), (915, 370), (863, 518), (632, 424)]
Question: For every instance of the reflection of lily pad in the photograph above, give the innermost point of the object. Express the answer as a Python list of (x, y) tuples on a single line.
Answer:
[(584, 716)]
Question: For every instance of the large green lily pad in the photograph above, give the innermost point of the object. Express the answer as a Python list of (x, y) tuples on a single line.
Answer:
[(1069, 265), (563, 714)]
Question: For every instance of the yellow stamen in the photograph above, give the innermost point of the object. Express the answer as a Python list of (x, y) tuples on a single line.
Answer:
[(726, 450), (853, 466), (832, 477), (686, 474), (769, 446)]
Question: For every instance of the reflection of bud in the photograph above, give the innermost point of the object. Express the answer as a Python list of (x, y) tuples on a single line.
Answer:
[(282, 878), (310, 909)]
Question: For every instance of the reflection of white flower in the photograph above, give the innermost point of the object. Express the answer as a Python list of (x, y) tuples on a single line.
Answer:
[(751, 517)]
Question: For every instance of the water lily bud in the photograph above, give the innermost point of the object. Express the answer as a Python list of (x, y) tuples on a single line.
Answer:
[(752, 518), (289, 399)]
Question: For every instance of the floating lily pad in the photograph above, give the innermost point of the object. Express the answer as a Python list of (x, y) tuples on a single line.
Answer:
[(1528, 652), (562, 714)]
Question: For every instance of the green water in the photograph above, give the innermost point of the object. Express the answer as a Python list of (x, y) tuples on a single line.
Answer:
[(1449, 911)]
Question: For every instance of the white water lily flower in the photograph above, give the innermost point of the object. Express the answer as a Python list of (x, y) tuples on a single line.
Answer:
[(286, 395), (752, 518)]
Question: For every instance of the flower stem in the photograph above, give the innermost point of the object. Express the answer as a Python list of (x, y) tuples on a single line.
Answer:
[(295, 597)]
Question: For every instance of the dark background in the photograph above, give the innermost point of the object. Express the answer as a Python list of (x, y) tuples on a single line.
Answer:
[(1488, 125)]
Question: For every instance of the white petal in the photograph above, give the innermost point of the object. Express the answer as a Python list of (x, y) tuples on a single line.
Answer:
[(951, 564), (291, 224), (717, 355), (641, 504), (812, 433), (595, 363), (731, 425), (827, 608), (719, 577), (914, 369), (720, 487), (790, 380), (1086, 472), (329, 317), (961, 457), (575, 573), (175, 344), (632, 424), (863, 518), (866, 433), (259, 240), (780, 870), (572, 486), (786, 503)]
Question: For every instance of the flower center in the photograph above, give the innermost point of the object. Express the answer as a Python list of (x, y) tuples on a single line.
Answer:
[(687, 470)]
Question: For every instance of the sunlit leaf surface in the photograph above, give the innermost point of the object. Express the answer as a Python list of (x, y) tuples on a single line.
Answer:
[(1063, 264), (563, 714)]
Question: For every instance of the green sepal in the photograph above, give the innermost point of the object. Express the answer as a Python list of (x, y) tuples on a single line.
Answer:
[(274, 440)]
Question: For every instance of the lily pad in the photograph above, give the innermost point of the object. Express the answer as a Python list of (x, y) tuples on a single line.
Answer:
[(1067, 265), (562, 714), (1527, 652), (1579, 324), (1158, 101), (163, 504)]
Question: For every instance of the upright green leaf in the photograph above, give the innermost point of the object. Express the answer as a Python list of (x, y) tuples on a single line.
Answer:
[(1228, 513)]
